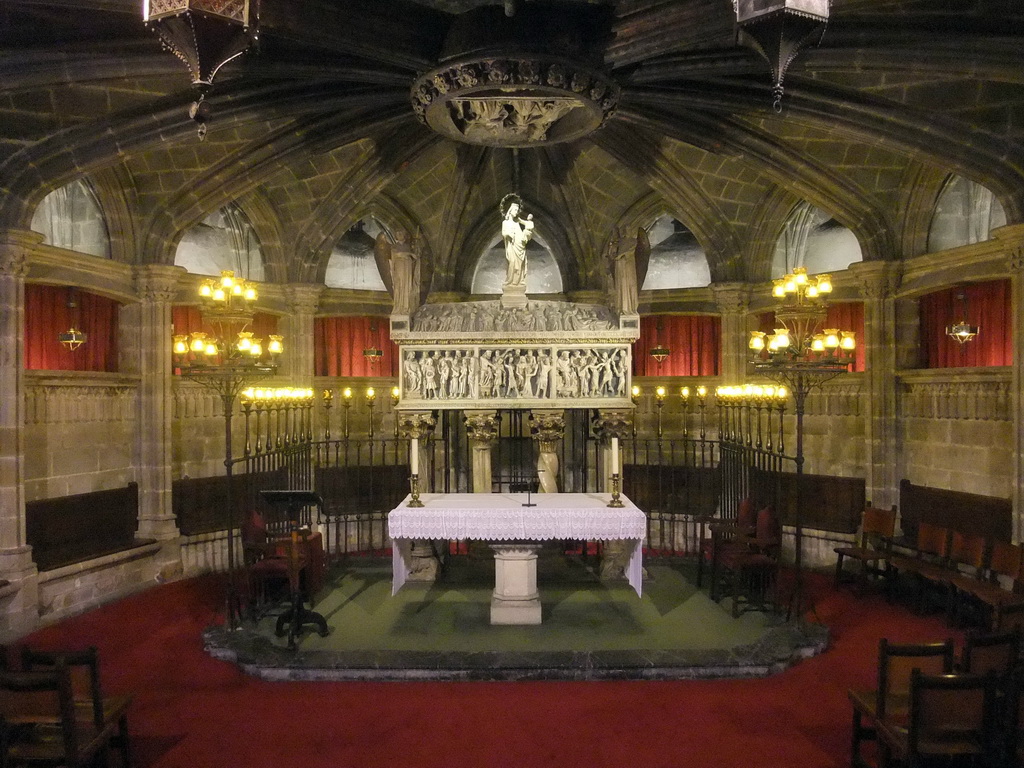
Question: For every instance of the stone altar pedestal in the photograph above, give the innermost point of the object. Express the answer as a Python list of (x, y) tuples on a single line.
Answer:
[(513, 297), (515, 599)]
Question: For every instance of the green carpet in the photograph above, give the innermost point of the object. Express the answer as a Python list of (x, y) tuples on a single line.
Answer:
[(579, 612)]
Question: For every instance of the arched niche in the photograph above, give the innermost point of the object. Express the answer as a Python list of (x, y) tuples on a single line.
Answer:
[(965, 212), (677, 259), (70, 217), (813, 239), (352, 263), (542, 272), (224, 240)]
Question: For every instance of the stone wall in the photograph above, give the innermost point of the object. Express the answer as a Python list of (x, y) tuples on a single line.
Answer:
[(79, 433), (957, 430)]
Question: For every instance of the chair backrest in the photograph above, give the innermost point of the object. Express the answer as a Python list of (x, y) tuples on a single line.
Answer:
[(933, 539), (997, 654), (968, 549), (254, 528), (83, 670), (767, 528), (876, 525), (951, 714), (745, 515), (41, 698), (1006, 561), (896, 662), (1008, 616)]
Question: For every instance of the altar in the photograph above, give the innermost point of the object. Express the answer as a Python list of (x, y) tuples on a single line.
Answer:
[(515, 530)]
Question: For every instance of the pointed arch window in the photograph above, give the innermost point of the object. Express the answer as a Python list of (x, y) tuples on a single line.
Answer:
[(352, 264), (70, 217), (813, 239), (224, 240), (965, 213), (677, 259)]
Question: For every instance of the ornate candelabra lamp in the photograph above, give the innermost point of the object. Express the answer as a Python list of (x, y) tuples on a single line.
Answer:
[(800, 355)]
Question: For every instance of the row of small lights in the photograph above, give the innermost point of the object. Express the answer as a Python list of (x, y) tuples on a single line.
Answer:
[(660, 393), (751, 392), (347, 395), (277, 395), (730, 393)]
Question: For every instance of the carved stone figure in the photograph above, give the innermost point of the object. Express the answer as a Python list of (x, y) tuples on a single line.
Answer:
[(516, 233), (623, 268), (404, 270)]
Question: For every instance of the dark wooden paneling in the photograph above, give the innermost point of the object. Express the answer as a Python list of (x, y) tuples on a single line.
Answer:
[(358, 489), (200, 503), (671, 489), (987, 516), (828, 503), (71, 529)]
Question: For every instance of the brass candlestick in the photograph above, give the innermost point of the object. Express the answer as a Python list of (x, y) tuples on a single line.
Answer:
[(616, 501), (414, 486)]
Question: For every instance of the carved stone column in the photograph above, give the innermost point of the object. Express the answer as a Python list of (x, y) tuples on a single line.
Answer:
[(303, 300), (1013, 237), (424, 564), (548, 429), (733, 301), (878, 282), (482, 430), (606, 425), (146, 351), (21, 610)]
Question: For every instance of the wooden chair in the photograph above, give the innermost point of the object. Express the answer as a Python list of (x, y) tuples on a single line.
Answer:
[(967, 559), (951, 717), (997, 654), (43, 725), (721, 534), (928, 564), (269, 562), (876, 530), (890, 700), (1006, 563), (111, 712), (754, 561)]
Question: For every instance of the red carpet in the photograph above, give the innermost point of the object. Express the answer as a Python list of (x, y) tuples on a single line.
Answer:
[(192, 711)]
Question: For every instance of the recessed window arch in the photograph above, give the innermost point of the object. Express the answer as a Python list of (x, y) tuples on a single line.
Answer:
[(352, 263), (542, 272), (813, 239), (224, 240), (965, 212), (70, 217), (677, 259)]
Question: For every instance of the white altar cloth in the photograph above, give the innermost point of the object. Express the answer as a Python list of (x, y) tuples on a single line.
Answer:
[(501, 517)]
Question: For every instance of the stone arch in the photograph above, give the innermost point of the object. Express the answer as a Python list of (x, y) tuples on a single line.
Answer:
[(71, 217), (965, 212)]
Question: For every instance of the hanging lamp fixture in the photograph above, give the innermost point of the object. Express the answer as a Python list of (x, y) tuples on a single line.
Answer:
[(73, 338), (779, 30), (962, 331), (658, 352)]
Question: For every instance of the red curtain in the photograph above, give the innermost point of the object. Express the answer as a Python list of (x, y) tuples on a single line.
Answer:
[(988, 307), (695, 343), (47, 314), (339, 343), (846, 316)]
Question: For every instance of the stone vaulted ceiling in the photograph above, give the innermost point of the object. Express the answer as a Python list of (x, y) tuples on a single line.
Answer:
[(316, 130)]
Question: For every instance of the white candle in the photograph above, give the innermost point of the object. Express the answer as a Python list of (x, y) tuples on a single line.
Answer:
[(615, 455), (414, 455)]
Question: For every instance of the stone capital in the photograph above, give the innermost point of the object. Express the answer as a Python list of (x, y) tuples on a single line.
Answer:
[(547, 427), (732, 298), (158, 283), (877, 279), (15, 246), (303, 298), (482, 427), (611, 423), (418, 424)]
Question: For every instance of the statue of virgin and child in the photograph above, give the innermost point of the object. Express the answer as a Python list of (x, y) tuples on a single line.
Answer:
[(516, 232)]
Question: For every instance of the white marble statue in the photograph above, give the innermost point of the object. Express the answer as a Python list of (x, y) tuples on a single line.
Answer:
[(516, 232)]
